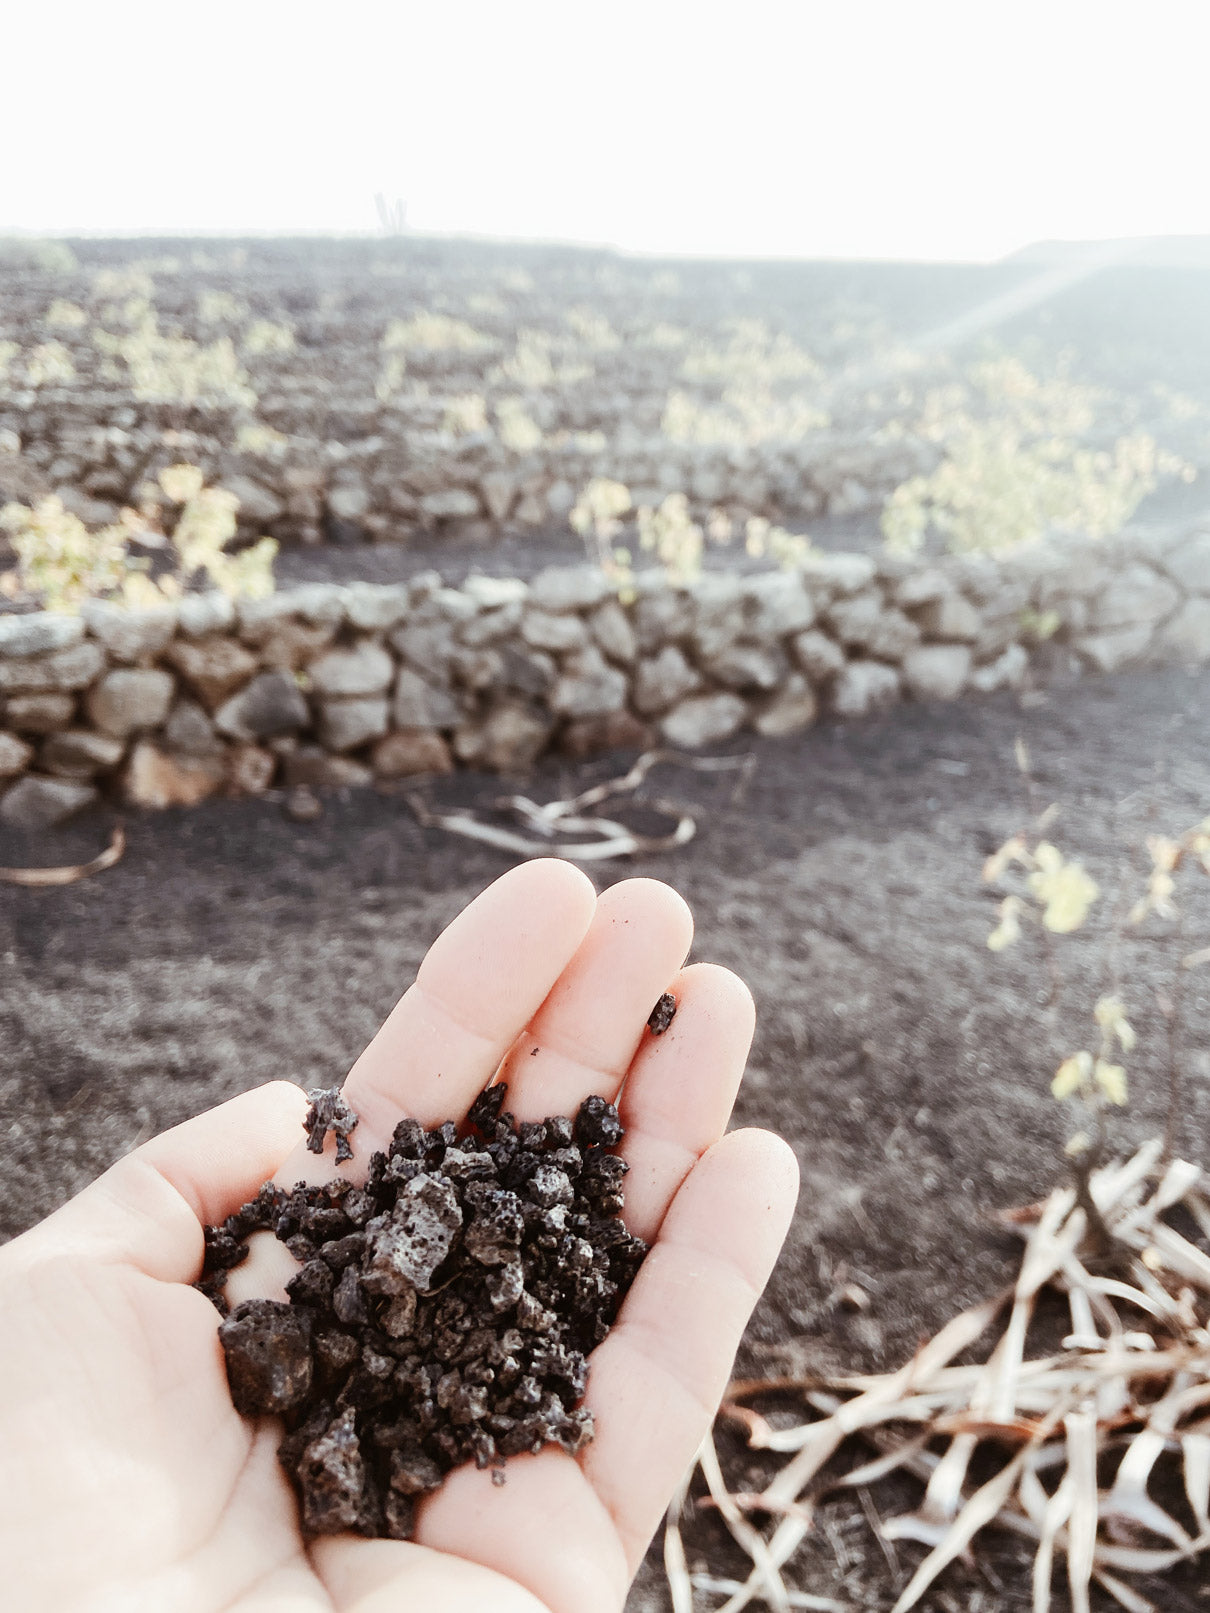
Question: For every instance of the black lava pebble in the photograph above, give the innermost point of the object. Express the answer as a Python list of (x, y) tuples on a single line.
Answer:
[(442, 1313), (662, 1014), (329, 1113)]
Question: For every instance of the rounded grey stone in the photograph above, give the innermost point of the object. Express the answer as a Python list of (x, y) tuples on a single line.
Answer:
[(418, 704), (345, 724), (80, 754), (704, 720), (589, 687), (39, 713), (130, 635), (663, 680), (268, 707), (38, 632), (188, 731), (130, 699), (569, 588), (15, 755), (73, 667), (200, 614), (937, 671), (35, 803), (864, 687), (366, 669), (374, 607)]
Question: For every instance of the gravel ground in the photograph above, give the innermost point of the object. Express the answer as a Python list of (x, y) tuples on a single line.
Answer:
[(906, 1064)]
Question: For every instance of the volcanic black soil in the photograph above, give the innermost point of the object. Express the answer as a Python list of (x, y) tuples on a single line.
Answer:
[(907, 1065)]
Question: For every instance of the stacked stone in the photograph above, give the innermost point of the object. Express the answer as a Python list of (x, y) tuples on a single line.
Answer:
[(468, 488), (329, 686), (350, 465)]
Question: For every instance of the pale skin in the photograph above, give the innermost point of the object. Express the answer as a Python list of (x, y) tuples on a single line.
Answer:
[(127, 1479)]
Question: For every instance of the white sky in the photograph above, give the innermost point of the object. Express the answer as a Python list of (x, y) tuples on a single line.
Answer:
[(767, 128)]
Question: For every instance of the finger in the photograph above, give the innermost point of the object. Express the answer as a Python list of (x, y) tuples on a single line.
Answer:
[(481, 982), (584, 1036), (149, 1208), (543, 1527), (681, 1089), (385, 1576), (656, 1381), (541, 1540)]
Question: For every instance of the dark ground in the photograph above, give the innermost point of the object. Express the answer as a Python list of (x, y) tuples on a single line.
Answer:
[(1175, 506), (907, 1065)]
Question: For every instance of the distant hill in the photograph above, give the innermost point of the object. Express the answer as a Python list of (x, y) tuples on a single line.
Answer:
[(1144, 252)]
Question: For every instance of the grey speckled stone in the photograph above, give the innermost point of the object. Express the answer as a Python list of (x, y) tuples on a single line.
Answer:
[(15, 755), (80, 754), (34, 802), (270, 706), (365, 669), (863, 688), (130, 635), (199, 614), (36, 633), (569, 588), (130, 699), (704, 720), (74, 667), (345, 724), (39, 713)]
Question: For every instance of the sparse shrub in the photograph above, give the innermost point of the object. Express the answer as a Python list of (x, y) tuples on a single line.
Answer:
[(203, 526), (390, 377), (27, 252), (597, 516), (1055, 895), (662, 335), (268, 336), (63, 564), (518, 431), (762, 539), (257, 438), (50, 364), (65, 315), (673, 536), (1039, 625), (533, 364), (132, 281), (433, 332), (174, 369), (466, 414), (221, 308), (592, 330), (1014, 467), (751, 352), (746, 413)]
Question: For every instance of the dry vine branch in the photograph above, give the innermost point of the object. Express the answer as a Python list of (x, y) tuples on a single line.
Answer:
[(1129, 1386), (68, 874), (547, 821)]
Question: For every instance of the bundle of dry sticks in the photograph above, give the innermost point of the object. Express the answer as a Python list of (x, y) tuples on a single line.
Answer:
[(1079, 1434)]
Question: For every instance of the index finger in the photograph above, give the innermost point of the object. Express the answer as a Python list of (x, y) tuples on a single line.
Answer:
[(482, 981)]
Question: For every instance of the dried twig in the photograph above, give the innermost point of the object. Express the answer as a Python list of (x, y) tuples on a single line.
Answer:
[(1129, 1386), (545, 822), (67, 875)]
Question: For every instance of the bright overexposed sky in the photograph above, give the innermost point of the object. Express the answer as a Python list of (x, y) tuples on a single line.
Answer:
[(752, 128)]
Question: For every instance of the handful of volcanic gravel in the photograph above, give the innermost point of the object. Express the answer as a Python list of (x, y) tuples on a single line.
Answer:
[(443, 1312)]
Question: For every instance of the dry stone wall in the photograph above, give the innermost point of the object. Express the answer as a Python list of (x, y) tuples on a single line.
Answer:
[(351, 391), (341, 685)]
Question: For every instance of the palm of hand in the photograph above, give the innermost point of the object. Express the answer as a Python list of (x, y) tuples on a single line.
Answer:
[(127, 1479)]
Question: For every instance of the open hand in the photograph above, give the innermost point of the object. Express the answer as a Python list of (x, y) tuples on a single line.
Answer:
[(127, 1479)]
